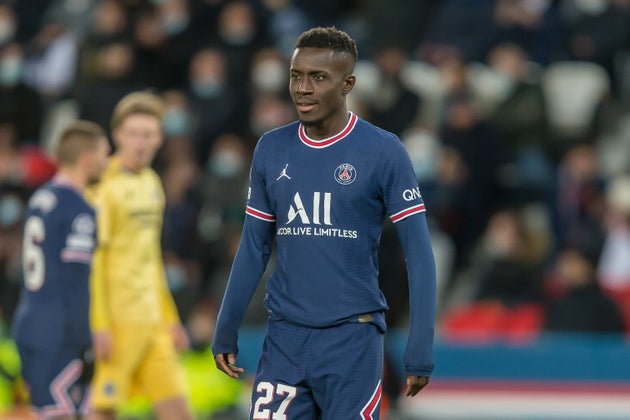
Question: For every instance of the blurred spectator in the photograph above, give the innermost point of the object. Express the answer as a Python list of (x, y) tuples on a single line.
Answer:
[(180, 43), (269, 73), (12, 205), (614, 266), (19, 103), (179, 232), (109, 24), (149, 38), (51, 61), (450, 29), (268, 112), (215, 107), (25, 166), (395, 22), (223, 191), (113, 80), (178, 123), (394, 106), (596, 30), (583, 307), (469, 168), (8, 24), (534, 25), (579, 199), (521, 120), (507, 267), (241, 34), (286, 21)]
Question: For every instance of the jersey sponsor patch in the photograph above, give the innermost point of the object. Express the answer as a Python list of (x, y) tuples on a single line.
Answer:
[(80, 241), (43, 200)]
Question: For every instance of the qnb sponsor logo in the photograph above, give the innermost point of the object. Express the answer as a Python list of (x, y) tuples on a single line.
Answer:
[(411, 194), (320, 211)]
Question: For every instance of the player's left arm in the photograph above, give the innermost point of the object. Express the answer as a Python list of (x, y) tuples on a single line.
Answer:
[(406, 209), (418, 358)]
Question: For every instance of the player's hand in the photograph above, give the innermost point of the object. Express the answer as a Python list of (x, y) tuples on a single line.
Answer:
[(180, 338), (102, 345), (415, 384), (226, 363)]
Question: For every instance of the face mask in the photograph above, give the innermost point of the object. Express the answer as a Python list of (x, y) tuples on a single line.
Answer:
[(174, 24), (175, 277), (238, 35), (211, 87), (10, 71), (591, 7), (501, 84), (10, 210), (423, 149), (226, 164), (176, 122), (269, 76), (7, 30)]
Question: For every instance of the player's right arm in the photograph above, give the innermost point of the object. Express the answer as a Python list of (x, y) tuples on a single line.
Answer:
[(249, 265)]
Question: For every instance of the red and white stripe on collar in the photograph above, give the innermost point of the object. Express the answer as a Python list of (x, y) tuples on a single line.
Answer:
[(319, 144)]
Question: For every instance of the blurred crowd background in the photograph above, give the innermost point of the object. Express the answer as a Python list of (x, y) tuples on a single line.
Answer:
[(516, 115)]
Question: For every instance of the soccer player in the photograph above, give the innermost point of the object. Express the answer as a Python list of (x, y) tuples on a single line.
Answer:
[(136, 329), (51, 325), (321, 188)]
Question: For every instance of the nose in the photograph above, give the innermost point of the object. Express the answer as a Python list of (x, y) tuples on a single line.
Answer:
[(304, 86)]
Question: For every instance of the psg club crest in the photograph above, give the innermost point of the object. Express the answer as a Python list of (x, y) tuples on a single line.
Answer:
[(345, 174)]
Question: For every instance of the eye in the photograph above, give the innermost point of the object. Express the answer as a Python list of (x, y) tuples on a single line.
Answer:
[(319, 77)]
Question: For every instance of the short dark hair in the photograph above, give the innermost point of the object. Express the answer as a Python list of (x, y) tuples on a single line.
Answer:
[(76, 139), (330, 38)]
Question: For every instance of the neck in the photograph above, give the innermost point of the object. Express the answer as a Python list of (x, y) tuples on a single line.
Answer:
[(327, 128), (71, 177), (128, 164)]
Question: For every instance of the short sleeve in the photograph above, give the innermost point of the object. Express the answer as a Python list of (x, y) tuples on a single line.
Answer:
[(257, 200), (400, 189)]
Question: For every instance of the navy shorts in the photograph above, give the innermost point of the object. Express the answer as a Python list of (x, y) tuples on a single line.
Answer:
[(319, 373), (52, 378)]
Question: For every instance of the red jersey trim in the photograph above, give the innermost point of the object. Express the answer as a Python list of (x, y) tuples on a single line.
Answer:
[(260, 214), (318, 144), (407, 212)]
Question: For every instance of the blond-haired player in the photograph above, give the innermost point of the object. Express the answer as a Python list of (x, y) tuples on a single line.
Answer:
[(135, 326)]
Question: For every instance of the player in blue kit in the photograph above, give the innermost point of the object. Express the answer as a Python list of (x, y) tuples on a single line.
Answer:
[(321, 188), (51, 326)]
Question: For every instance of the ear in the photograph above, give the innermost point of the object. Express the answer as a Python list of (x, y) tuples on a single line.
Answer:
[(348, 84)]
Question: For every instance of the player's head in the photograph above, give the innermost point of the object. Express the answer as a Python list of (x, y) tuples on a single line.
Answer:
[(83, 146), (321, 73), (137, 129)]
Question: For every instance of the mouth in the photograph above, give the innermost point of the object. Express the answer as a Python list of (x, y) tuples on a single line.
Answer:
[(305, 106)]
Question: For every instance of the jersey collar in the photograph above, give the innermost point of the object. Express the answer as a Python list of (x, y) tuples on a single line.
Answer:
[(319, 144)]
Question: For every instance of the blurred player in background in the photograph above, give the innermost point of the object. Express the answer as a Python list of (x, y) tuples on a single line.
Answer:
[(322, 187), (135, 325), (51, 325)]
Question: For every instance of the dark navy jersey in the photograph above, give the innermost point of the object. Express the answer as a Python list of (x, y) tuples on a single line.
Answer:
[(58, 242), (329, 199), (325, 202)]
